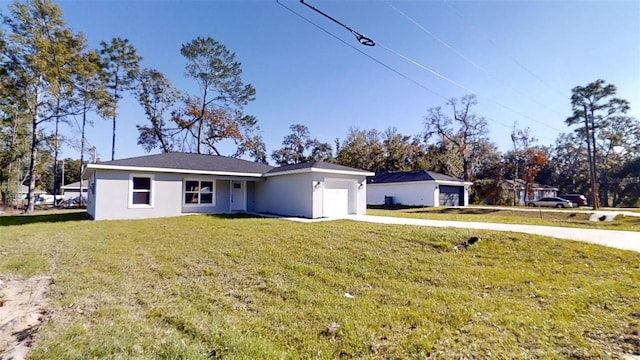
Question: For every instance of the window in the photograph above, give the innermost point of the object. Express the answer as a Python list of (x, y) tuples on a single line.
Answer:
[(141, 190), (198, 192)]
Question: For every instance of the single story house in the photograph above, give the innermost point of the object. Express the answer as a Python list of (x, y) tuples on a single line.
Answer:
[(23, 192), (72, 191), (173, 184), (537, 191), (417, 188)]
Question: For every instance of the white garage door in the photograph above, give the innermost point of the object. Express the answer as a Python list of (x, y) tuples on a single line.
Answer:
[(335, 202)]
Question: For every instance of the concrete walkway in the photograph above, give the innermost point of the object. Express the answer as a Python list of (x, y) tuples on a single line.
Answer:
[(625, 240)]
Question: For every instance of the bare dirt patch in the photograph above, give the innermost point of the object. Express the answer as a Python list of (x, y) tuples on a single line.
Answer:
[(22, 310)]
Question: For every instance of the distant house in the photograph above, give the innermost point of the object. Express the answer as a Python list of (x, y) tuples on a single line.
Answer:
[(72, 191), (23, 192), (417, 188), (173, 184), (537, 191)]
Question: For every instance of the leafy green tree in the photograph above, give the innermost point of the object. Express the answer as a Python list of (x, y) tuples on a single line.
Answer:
[(91, 95), (216, 114), (14, 147), (39, 56), (361, 149), (568, 167), (463, 132), (120, 63), (156, 95), (402, 152), (299, 147), (594, 106)]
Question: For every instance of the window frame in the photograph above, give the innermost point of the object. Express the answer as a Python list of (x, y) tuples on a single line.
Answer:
[(200, 180), (151, 190)]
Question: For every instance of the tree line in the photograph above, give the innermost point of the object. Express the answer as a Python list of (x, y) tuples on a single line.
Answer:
[(50, 80)]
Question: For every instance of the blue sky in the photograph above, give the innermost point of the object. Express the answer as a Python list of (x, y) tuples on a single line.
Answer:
[(521, 58)]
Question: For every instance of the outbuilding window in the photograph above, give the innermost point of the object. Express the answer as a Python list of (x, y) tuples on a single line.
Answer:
[(199, 192), (141, 191)]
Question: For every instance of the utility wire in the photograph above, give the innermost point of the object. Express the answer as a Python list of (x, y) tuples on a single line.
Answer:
[(444, 43), (361, 38), (495, 45), (426, 68), (363, 53), (366, 41), (381, 63), (415, 63), (467, 59)]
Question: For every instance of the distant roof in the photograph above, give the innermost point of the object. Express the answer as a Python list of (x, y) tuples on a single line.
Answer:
[(76, 185), (521, 183), (187, 161), (315, 165), (25, 189), (407, 176)]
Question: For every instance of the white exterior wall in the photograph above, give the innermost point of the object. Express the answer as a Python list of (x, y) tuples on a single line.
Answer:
[(357, 194), (413, 193), (299, 194), (113, 191), (289, 195), (91, 197)]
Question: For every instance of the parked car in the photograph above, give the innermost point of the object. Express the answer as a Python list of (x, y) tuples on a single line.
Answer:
[(576, 199), (46, 199), (551, 202)]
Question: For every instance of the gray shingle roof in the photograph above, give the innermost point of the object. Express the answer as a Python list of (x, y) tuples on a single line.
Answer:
[(406, 176), (189, 161), (314, 164)]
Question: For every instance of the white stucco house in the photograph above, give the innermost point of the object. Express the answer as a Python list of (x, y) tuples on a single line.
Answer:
[(72, 191), (417, 188), (174, 184)]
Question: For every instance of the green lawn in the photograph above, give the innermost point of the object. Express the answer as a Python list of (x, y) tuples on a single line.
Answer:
[(229, 287), (565, 218)]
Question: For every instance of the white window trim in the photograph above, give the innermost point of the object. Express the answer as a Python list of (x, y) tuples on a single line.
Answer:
[(199, 179), (151, 191)]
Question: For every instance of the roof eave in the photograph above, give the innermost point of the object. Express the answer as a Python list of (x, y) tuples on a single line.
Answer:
[(92, 167), (320, 170)]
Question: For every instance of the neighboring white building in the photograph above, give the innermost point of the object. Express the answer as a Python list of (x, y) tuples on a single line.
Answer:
[(72, 191), (536, 191), (23, 192), (173, 184), (417, 188)]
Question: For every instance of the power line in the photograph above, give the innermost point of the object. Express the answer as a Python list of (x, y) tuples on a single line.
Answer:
[(370, 42), (363, 53), (467, 59), (426, 68), (444, 43), (398, 72), (495, 45)]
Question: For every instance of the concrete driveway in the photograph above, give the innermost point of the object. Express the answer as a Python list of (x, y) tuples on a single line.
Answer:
[(625, 240)]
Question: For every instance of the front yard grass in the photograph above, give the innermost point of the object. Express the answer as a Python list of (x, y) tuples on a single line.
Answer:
[(226, 287), (537, 216)]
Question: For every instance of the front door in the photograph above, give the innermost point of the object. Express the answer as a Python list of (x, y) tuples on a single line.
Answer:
[(238, 196)]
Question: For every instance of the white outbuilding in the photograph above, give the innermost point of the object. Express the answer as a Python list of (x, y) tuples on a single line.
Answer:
[(417, 188)]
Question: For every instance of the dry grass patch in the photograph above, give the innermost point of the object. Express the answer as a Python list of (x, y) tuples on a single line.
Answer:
[(248, 288)]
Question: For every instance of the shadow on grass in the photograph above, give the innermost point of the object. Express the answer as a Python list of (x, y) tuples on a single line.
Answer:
[(463, 211), (236, 216), (11, 220), (431, 210)]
